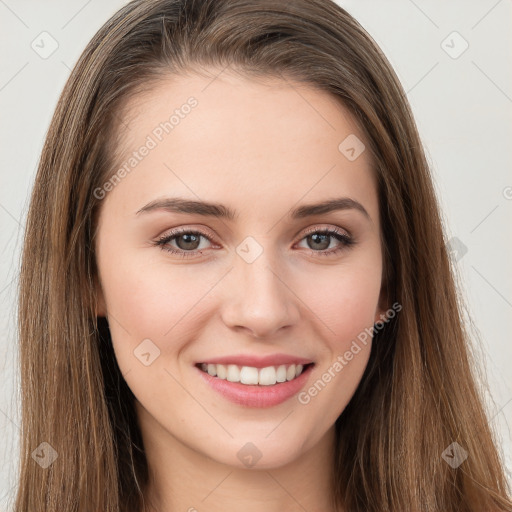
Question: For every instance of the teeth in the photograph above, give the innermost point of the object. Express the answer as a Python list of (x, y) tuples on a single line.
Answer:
[(249, 375), (290, 372), (233, 374), (267, 376), (281, 373), (221, 371)]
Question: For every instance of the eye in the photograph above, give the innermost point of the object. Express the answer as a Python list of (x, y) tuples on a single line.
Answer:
[(188, 242), (321, 239)]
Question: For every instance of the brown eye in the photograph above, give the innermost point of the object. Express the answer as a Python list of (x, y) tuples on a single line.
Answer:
[(318, 241), (186, 242)]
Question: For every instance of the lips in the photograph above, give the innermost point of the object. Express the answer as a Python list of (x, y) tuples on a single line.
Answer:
[(258, 361), (256, 381)]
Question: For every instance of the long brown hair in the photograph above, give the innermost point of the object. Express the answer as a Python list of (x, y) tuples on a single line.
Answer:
[(419, 393)]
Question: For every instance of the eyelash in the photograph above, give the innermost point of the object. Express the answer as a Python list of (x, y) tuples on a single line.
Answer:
[(346, 241)]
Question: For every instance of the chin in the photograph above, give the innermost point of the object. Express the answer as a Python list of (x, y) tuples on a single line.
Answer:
[(258, 453)]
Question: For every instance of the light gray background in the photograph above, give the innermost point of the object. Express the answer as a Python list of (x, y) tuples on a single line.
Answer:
[(462, 106)]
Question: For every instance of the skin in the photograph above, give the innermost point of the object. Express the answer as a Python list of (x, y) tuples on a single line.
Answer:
[(260, 148)]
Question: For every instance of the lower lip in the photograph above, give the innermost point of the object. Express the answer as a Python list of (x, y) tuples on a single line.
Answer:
[(257, 396)]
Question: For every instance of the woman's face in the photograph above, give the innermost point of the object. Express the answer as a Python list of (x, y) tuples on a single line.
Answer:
[(260, 288)]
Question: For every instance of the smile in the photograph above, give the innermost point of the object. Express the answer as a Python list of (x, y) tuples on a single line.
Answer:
[(249, 375), (255, 387)]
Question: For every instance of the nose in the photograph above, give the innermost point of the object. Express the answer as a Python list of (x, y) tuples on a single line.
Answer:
[(259, 299)]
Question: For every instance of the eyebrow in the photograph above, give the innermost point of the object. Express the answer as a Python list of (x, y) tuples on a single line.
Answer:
[(211, 209)]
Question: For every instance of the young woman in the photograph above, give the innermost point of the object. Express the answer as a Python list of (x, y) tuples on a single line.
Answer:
[(235, 292)]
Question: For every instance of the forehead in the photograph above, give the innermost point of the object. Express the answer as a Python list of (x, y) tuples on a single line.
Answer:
[(227, 135)]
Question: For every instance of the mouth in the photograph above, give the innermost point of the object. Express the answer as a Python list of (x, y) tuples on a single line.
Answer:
[(256, 387), (252, 376)]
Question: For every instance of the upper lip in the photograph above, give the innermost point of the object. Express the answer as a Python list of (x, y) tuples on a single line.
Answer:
[(258, 361)]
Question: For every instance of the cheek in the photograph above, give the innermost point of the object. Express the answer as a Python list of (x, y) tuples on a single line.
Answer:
[(345, 308), (148, 299), (344, 300)]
